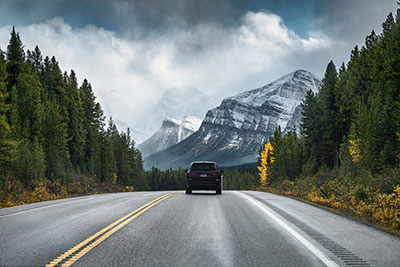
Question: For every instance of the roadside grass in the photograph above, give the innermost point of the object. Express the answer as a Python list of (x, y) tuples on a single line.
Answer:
[(381, 210), (13, 192)]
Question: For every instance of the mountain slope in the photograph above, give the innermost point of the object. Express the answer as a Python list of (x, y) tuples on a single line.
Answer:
[(175, 103), (171, 132), (232, 133)]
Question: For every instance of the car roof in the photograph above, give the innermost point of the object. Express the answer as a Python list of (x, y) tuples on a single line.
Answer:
[(204, 161)]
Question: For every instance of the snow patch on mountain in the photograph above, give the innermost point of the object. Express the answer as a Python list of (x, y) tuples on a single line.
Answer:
[(232, 133), (172, 131)]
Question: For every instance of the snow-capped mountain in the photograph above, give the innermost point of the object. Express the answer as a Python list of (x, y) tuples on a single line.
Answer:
[(176, 103), (171, 132), (232, 133)]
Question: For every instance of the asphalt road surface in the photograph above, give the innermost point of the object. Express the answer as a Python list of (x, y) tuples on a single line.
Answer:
[(237, 228)]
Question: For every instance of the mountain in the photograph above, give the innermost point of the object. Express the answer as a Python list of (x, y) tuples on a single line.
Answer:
[(176, 103), (171, 132), (232, 133)]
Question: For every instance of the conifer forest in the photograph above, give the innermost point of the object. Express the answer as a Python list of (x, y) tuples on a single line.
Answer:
[(347, 154)]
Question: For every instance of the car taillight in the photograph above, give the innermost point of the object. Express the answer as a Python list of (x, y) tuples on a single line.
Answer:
[(192, 174), (215, 174)]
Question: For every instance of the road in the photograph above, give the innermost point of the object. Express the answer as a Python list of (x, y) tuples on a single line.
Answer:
[(237, 228)]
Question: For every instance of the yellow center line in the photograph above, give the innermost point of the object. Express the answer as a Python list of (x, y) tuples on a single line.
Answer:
[(115, 226)]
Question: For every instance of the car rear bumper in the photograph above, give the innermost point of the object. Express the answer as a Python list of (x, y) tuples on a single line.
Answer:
[(203, 185)]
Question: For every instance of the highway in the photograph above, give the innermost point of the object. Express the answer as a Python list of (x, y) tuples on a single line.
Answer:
[(237, 228)]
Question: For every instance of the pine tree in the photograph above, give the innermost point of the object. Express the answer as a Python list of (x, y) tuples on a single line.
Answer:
[(376, 123), (29, 101), (30, 161), (311, 130), (93, 123), (55, 145), (108, 160), (138, 176), (13, 114), (52, 79), (330, 137), (344, 105), (6, 145), (121, 151), (36, 59), (288, 156), (75, 128), (15, 59)]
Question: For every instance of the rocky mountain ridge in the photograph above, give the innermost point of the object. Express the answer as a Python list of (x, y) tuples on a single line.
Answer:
[(172, 131), (232, 133)]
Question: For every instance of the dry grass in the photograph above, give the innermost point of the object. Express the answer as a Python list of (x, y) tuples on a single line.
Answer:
[(13, 192), (379, 209)]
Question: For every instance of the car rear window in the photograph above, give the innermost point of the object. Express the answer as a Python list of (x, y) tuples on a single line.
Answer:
[(203, 167)]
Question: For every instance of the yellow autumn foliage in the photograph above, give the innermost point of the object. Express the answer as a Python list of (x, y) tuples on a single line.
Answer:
[(13, 192), (266, 160), (354, 150), (380, 208)]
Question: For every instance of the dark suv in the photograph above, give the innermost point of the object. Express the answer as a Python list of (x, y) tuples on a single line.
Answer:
[(204, 175)]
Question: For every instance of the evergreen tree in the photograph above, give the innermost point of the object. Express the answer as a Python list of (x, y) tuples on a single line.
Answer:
[(15, 59), (288, 153), (52, 79), (30, 161), (75, 128), (29, 101), (330, 137), (55, 145), (93, 123), (36, 59), (344, 105), (154, 177), (13, 114), (6, 145), (121, 151), (51, 128), (137, 176), (376, 124), (108, 161), (311, 129)]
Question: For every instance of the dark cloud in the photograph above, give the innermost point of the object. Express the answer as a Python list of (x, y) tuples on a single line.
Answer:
[(342, 19), (351, 21), (138, 17), (77, 13), (138, 49)]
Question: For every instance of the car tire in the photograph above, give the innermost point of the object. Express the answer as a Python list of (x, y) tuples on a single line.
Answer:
[(188, 191), (218, 191)]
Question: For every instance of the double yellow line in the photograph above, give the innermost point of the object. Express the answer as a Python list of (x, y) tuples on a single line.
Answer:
[(86, 245)]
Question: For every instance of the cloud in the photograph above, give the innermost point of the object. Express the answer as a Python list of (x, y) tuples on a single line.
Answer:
[(351, 21), (128, 76), (157, 50), (131, 18)]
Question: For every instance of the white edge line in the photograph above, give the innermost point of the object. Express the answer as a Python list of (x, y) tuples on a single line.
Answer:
[(52, 205), (316, 251)]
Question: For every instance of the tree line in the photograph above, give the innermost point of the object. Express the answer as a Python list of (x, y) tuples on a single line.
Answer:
[(349, 141), (355, 115), (52, 128), (55, 139)]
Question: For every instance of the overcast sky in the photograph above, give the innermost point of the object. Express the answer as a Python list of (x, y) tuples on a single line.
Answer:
[(133, 51)]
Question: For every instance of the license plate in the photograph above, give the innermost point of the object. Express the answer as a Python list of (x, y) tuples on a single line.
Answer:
[(203, 175)]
